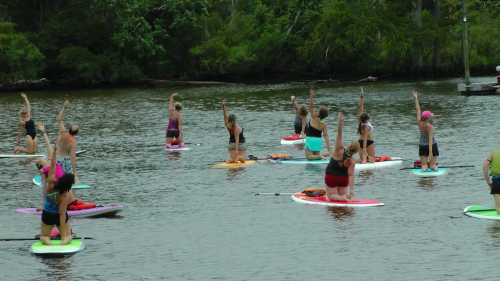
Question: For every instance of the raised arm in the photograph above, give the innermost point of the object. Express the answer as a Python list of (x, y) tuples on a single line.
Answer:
[(51, 179), (73, 161), (60, 117), (224, 110), (312, 92), (339, 142), (327, 139), (417, 106), (27, 105), (41, 127), (171, 107), (361, 108), (295, 105)]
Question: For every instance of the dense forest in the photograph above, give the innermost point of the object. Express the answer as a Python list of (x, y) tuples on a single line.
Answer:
[(116, 41)]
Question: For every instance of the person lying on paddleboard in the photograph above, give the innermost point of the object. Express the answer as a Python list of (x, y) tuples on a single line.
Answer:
[(315, 131), (300, 117), (365, 131), (428, 148), (66, 143), (26, 127), (174, 128), (491, 173), (339, 174), (237, 149), (58, 196)]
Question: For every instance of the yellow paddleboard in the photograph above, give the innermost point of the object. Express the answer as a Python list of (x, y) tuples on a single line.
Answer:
[(225, 165)]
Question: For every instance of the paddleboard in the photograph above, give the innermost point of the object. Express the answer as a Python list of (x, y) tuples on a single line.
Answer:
[(103, 210), (323, 201), (76, 245), (21, 155), (175, 147), (37, 180), (480, 212), (292, 139), (395, 161), (427, 174), (225, 165)]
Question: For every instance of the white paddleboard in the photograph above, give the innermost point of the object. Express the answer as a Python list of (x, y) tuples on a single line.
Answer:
[(21, 155), (429, 173)]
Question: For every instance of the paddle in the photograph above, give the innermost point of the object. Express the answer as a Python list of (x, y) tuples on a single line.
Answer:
[(81, 152), (35, 238), (197, 144), (448, 167), (275, 194)]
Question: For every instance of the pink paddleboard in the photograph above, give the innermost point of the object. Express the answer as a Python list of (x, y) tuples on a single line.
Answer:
[(176, 147), (104, 210), (322, 200)]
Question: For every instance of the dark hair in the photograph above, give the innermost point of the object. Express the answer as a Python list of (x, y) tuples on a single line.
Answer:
[(65, 183), (73, 130), (363, 118), (231, 118), (323, 112), (178, 106), (303, 111)]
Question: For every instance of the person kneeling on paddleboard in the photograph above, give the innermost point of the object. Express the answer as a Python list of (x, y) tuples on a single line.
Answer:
[(314, 130), (57, 198), (339, 174), (491, 167), (174, 129), (300, 117), (365, 131), (236, 147), (26, 126), (428, 148)]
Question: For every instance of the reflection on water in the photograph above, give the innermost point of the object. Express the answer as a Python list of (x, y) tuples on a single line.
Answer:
[(173, 155), (58, 268), (426, 183), (494, 231), (340, 213)]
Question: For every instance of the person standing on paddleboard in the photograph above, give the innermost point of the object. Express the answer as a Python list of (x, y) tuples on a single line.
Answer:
[(58, 196), (428, 148), (300, 121), (365, 131), (66, 143), (174, 128), (491, 173), (236, 149), (339, 174), (315, 131), (26, 126)]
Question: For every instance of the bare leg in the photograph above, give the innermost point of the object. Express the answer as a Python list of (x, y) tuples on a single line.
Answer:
[(233, 156), (168, 141), (371, 153), (497, 202), (332, 193), (242, 156), (312, 155), (45, 234), (423, 162), (433, 163)]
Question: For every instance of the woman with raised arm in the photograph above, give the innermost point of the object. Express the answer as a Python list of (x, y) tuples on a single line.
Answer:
[(365, 131), (428, 148), (174, 128), (57, 197), (300, 121), (339, 174), (26, 127), (236, 149), (315, 131)]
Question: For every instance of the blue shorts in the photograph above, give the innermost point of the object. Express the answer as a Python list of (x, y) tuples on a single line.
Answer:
[(65, 163), (314, 144)]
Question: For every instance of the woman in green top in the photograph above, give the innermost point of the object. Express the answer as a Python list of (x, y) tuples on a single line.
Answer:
[(491, 173)]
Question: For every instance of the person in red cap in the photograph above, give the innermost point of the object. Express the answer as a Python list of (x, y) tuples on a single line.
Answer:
[(428, 148)]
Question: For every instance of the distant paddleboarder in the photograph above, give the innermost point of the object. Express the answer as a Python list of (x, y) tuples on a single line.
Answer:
[(339, 174), (428, 147), (26, 128), (174, 134), (365, 131), (300, 121), (491, 173), (236, 148), (66, 144), (316, 131)]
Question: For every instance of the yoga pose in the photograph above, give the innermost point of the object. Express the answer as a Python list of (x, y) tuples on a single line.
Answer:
[(26, 127)]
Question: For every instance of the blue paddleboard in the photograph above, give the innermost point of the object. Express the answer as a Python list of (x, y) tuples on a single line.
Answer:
[(429, 173)]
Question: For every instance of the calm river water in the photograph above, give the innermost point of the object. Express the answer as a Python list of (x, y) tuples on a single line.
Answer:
[(185, 221)]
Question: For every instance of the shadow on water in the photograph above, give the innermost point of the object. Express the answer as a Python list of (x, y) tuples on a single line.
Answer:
[(58, 267), (340, 213), (173, 155)]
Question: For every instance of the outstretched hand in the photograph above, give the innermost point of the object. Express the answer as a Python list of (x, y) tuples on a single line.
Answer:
[(40, 126), (341, 119), (23, 95), (312, 92), (66, 103), (292, 98), (223, 102), (174, 94), (415, 94)]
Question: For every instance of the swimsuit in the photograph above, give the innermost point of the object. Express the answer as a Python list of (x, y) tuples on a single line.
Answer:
[(336, 174), (65, 163), (313, 141), (368, 141), (50, 214), (173, 128), (232, 140), (30, 128), (423, 147)]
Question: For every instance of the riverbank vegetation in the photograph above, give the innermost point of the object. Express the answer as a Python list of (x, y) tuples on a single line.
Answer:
[(92, 42)]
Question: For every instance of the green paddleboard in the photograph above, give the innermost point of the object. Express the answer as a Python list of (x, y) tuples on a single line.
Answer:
[(76, 245), (480, 212), (429, 173)]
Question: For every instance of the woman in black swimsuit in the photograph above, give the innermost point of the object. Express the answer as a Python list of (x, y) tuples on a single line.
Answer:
[(26, 125), (236, 148)]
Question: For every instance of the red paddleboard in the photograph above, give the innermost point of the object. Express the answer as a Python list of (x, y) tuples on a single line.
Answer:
[(292, 139), (322, 200)]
